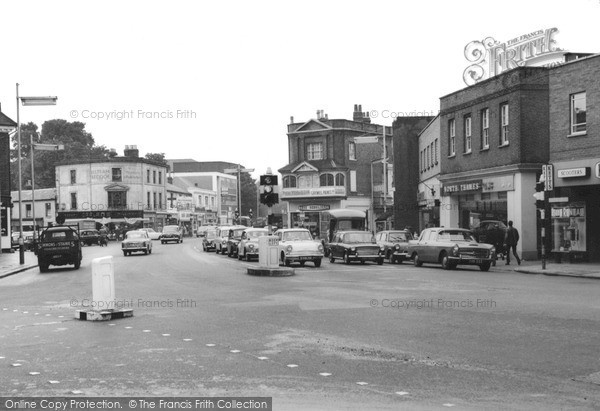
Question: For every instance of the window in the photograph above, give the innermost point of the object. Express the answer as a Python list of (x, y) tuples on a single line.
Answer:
[(148, 176), (504, 124), (468, 134), (421, 157), (431, 154), (289, 181), (436, 150), (339, 179), (116, 174), (485, 129), (451, 137), (352, 151), (314, 151), (28, 210), (326, 180), (117, 200), (73, 176), (206, 201), (578, 113), (154, 198), (160, 200), (73, 201), (160, 177), (427, 156), (212, 202), (148, 204), (48, 210), (153, 176), (352, 180)]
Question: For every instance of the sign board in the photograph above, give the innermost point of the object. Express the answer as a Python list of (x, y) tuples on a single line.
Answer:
[(573, 172), (558, 200), (467, 186), (313, 207), (268, 180), (549, 174)]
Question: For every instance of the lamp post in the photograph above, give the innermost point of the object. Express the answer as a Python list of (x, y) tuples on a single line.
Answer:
[(26, 101), (239, 170)]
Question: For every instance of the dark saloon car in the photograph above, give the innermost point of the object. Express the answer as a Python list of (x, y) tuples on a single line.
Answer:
[(491, 232), (90, 237), (355, 246), (209, 239), (395, 244), (248, 246), (171, 233), (451, 247), (233, 239)]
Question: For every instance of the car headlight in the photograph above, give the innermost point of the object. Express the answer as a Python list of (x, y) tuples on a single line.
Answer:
[(320, 248), (492, 251), (455, 250), (288, 249), (397, 247), (224, 242), (352, 249), (381, 248), (251, 246)]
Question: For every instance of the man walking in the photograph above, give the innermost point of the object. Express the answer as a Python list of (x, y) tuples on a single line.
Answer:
[(510, 243)]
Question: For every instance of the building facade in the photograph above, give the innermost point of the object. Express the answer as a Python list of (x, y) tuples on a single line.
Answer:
[(44, 209), (117, 190), (6, 127), (337, 164), (493, 143), (428, 191), (574, 132)]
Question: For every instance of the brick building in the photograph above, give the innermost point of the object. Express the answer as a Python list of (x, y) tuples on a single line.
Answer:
[(575, 155), (428, 191), (336, 163), (6, 127), (493, 142)]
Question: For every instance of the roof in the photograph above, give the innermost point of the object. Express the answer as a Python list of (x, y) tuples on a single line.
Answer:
[(320, 165), (192, 166), (347, 213), (174, 189), (6, 121)]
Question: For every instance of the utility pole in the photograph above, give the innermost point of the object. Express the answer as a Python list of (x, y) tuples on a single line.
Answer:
[(239, 170)]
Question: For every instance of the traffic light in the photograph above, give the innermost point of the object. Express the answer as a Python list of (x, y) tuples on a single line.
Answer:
[(539, 193), (237, 213), (250, 213), (268, 196)]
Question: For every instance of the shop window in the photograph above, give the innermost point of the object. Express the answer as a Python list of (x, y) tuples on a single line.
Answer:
[(326, 180), (352, 151), (289, 182), (578, 113), (502, 195), (486, 196), (569, 228), (28, 210), (314, 151), (503, 124), (485, 129), (117, 175), (339, 179), (451, 137), (73, 201), (73, 176), (467, 129)]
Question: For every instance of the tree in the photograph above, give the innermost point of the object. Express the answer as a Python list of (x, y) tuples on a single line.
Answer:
[(158, 157), (249, 194), (78, 144)]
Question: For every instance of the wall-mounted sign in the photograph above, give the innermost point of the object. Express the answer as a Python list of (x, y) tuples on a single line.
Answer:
[(466, 187), (574, 172), (313, 207), (489, 57), (314, 192), (597, 168)]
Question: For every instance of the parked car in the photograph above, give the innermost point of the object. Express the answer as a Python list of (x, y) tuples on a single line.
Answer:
[(209, 239), (233, 239), (201, 231), (222, 238), (395, 244), (297, 245), (171, 233), (27, 240), (14, 240), (451, 247), (355, 246), (248, 246), (58, 245), (491, 232), (151, 233), (90, 237), (136, 240)]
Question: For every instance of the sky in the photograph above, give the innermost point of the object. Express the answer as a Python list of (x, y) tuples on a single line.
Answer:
[(219, 80)]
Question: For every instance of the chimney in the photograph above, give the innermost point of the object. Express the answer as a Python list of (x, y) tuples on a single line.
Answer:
[(112, 153), (170, 178), (132, 152), (357, 115), (291, 119)]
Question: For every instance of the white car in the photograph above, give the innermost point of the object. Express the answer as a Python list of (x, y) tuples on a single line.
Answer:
[(136, 240), (154, 235), (297, 245)]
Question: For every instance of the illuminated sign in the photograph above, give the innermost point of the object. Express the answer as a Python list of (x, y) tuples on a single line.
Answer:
[(489, 57)]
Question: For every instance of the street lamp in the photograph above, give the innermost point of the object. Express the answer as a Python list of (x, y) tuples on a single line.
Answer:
[(42, 147), (26, 101)]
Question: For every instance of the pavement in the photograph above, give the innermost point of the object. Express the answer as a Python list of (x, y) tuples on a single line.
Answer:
[(9, 265)]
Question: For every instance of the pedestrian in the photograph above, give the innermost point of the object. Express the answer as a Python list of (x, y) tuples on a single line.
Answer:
[(511, 238)]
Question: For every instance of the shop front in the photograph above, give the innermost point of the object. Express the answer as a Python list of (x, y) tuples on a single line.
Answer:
[(428, 200), (574, 208)]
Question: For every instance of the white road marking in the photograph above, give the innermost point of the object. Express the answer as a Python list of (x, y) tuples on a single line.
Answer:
[(448, 405), (187, 339), (362, 383), (292, 365), (324, 374), (145, 331), (210, 345), (235, 351), (263, 358), (401, 393), (34, 373), (53, 382), (166, 335), (16, 365)]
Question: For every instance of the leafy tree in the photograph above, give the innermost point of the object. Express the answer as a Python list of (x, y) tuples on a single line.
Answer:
[(249, 194), (158, 157), (78, 144)]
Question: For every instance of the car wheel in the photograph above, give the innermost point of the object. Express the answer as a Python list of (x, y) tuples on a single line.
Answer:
[(247, 256), (446, 263), (485, 266), (162, 242), (239, 255), (302, 263), (331, 259), (124, 253), (43, 266), (77, 264), (146, 251), (417, 261), (346, 258), (380, 261), (390, 257), (149, 251), (317, 262), (181, 241), (399, 260)]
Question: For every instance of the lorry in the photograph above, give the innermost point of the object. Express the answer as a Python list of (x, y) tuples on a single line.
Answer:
[(58, 245)]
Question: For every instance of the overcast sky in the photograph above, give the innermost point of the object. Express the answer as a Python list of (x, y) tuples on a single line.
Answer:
[(245, 67)]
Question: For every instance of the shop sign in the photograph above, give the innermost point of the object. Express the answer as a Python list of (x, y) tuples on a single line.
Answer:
[(102, 214), (568, 211), (314, 192), (313, 207), (597, 167), (490, 58), (466, 187), (573, 172)]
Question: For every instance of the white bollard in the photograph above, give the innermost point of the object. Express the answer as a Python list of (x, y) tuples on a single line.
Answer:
[(103, 284), (268, 249)]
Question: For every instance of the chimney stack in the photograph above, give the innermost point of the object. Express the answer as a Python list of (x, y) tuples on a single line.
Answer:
[(132, 152)]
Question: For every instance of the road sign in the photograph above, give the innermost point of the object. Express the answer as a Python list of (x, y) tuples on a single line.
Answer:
[(549, 172)]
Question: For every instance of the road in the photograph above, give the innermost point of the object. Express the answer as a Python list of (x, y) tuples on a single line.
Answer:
[(336, 337)]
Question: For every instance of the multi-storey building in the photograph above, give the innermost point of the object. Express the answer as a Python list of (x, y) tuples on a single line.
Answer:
[(43, 208), (6, 127), (575, 155), (428, 192), (119, 189), (336, 164), (494, 141)]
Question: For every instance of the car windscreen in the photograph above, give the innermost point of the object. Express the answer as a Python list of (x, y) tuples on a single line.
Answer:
[(135, 235), (256, 234), (170, 230), (58, 235), (353, 238), (211, 233), (398, 237), (296, 236), (237, 233), (455, 236)]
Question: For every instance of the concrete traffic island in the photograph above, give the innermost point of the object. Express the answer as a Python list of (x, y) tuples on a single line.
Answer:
[(104, 315), (271, 272)]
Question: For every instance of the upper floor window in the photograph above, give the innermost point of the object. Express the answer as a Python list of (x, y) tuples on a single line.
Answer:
[(289, 182), (28, 210), (578, 113), (326, 180), (340, 179), (116, 174), (485, 128), (314, 151), (352, 151), (160, 177), (435, 145), (452, 137), (48, 210), (154, 177), (73, 176), (503, 124), (148, 176), (468, 143), (73, 201)]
